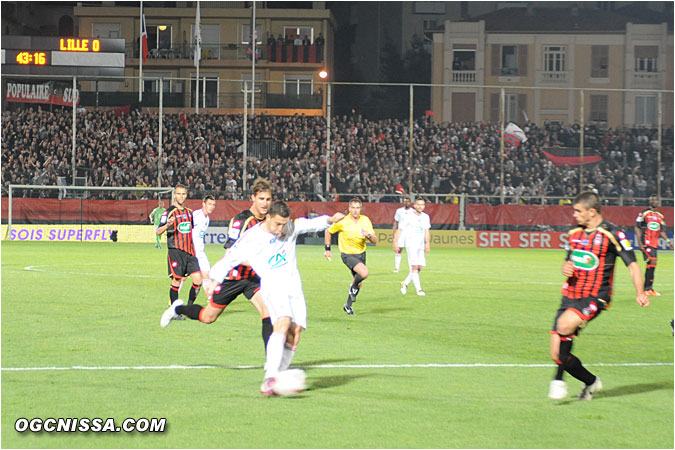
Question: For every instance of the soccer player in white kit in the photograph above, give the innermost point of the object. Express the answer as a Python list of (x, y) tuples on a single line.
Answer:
[(398, 218), (200, 223), (269, 248), (416, 226)]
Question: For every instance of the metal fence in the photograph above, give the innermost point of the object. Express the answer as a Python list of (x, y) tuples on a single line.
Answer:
[(359, 140)]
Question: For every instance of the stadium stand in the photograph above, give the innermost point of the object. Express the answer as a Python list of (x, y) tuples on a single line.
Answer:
[(370, 157)]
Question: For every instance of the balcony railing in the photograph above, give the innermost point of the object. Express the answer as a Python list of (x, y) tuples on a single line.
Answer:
[(646, 79), (552, 77), (272, 53), (463, 76)]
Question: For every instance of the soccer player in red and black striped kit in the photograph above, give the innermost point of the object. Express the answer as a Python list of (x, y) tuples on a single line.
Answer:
[(177, 222), (589, 268), (242, 279), (649, 227)]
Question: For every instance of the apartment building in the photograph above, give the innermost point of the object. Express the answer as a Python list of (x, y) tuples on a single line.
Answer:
[(292, 47), (544, 58)]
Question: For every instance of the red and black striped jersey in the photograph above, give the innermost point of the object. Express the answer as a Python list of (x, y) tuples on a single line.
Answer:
[(593, 253), (179, 234), (240, 223), (651, 222)]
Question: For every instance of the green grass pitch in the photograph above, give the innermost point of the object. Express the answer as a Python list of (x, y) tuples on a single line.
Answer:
[(98, 306)]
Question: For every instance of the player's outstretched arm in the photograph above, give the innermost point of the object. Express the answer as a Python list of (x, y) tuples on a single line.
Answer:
[(636, 276), (327, 240)]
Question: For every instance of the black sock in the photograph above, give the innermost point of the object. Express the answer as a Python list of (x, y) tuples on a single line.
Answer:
[(354, 289), (649, 277), (267, 329), (194, 292), (574, 367), (192, 311), (563, 353), (173, 293)]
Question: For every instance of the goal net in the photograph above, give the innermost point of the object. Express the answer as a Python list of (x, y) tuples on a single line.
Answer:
[(81, 213)]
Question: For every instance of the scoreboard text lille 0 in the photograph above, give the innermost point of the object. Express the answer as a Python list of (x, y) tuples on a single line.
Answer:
[(37, 55)]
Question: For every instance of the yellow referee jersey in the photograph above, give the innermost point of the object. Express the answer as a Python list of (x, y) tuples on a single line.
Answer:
[(351, 240)]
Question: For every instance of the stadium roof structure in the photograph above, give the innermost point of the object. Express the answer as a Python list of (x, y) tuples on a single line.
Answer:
[(568, 20)]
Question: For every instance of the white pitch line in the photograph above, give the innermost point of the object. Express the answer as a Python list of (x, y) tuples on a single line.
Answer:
[(331, 281), (328, 366)]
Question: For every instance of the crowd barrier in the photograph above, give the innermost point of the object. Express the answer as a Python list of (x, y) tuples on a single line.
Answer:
[(135, 212), (218, 235)]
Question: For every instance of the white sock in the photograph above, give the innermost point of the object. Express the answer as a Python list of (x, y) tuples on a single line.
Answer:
[(275, 349), (397, 261), (408, 279), (416, 280), (286, 358)]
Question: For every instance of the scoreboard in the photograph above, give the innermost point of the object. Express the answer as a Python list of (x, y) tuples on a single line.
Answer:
[(39, 55)]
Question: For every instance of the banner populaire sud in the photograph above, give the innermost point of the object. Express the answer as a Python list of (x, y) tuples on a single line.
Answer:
[(50, 93)]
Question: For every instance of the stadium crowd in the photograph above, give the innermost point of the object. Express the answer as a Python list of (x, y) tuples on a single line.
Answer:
[(370, 158)]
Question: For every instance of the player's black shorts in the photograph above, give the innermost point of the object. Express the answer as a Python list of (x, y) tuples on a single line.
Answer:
[(650, 253), (228, 290), (181, 264), (588, 308), (352, 261)]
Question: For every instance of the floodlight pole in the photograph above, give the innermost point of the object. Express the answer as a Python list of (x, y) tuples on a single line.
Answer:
[(501, 156), (328, 130), (160, 147), (243, 181), (74, 132), (410, 145), (658, 162), (581, 143)]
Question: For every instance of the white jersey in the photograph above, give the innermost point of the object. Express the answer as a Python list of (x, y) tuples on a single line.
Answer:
[(200, 222), (415, 227), (399, 217), (274, 260)]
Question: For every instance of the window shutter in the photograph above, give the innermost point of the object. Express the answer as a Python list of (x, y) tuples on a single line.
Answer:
[(522, 107), (522, 60), (496, 59), (494, 108)]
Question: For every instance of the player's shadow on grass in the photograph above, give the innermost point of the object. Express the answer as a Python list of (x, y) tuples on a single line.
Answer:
[(332, 381), (631, 389), (386, 310)]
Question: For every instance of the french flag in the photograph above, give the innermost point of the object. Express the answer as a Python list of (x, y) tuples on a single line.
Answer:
[(144, 38), (514, 135)]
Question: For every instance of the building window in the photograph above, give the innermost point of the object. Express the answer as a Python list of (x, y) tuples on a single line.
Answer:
[(428, 7), (246, 82), (208, 81), (464, 60), (299, 35), (554, 58), (599, 61), (645, 110), (646, 58), (246, 32), (153, 85), (106, 30), (599, 105), (298, 84), (509, 60), (159, 36), (511, 107)]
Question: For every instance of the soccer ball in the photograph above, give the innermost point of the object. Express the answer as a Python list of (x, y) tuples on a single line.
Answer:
[(289, 382)]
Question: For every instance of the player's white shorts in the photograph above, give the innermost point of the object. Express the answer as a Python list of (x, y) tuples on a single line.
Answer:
[(286, 303), (416, 256), (401, 241)]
